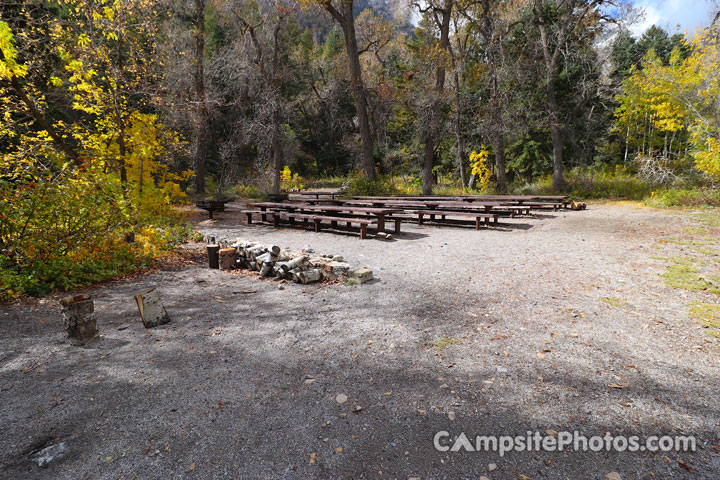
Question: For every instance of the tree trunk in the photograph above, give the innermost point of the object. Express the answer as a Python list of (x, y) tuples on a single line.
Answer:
[(499, 146), (429, 150), (553, 113), (459, 137), (277, 155), (201, 114), (556, 136), (347, 22)]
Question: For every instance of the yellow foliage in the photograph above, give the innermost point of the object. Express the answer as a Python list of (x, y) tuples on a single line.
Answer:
[(9, 67), (290, 181), (479, 166)]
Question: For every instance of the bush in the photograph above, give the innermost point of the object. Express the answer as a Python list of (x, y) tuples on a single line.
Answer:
[(682, 197), (66, 229), (382, 186), (593, 182)]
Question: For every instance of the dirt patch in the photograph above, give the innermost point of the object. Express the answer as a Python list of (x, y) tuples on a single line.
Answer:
[(244, 380)]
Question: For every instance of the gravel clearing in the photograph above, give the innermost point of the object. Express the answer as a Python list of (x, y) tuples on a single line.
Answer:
[(493, 332)]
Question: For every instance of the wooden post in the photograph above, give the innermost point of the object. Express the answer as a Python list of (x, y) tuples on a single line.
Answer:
[(79, 319), (228, 257), (152, 311), (212, 251)]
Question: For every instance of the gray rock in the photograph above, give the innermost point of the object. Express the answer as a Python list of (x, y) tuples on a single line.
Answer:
[(50, 453)]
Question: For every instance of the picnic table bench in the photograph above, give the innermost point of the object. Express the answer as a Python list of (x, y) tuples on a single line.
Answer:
[(317, 220), (378, 213), (478, 216)]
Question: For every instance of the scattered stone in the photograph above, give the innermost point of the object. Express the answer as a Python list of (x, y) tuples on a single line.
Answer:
[(613, 476), (50, 453), (338, 258), (341, 398), (357, 409), (342, 415), (308, 249), (360, 274), (444, 386), (123, 327), (483, 478), (451, 416), (337, 268), (309, 381), (281, 287), (492, 467)]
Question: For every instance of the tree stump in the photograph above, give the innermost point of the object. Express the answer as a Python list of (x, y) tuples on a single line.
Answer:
[(228, 257), (79, 319), (212, 251), (152, 311)]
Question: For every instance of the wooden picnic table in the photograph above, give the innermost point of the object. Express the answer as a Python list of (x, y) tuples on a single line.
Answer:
[(519, 199), (430, 204), (317, 193), (379, 213)]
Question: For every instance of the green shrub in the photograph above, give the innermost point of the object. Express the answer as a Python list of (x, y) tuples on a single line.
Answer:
[(69, 229), (249, 191), (360, 185), (593, 182), (682, 197)]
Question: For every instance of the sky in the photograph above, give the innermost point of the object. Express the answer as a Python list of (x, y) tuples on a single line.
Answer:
[(668, 14)]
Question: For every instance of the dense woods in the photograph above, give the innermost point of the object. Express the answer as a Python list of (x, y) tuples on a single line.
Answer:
[(113, 110)]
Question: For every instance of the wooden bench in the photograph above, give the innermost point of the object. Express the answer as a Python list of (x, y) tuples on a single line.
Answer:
[(391, 218), (316, 219), (513, 210), (485, 217), (554, 205), (250, 213)]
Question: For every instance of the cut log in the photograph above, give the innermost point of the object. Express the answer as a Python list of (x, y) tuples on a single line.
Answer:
[(309, 276), (295, 263), (266, 257), (267, 269), (228, 257), (213, 258), (79, 319), (152, 311)]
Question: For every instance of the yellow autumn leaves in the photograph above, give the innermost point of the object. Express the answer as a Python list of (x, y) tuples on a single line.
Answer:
[(674, 106)]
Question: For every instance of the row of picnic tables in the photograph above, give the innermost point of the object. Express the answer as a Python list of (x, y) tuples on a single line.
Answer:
[(365, 210)]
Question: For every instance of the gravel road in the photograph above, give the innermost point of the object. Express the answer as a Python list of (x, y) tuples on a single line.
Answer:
[(501, 331)]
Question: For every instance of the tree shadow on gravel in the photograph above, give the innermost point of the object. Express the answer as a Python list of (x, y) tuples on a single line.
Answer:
[(247, 385)]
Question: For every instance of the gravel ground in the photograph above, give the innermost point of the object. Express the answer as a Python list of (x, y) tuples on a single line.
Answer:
[(243, 382)]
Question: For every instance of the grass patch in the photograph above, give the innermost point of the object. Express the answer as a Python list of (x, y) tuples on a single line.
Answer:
[(708, 314), (711, 219), (443, 342), (694, 241), (683, 274), (615, 302), (710, 252)]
